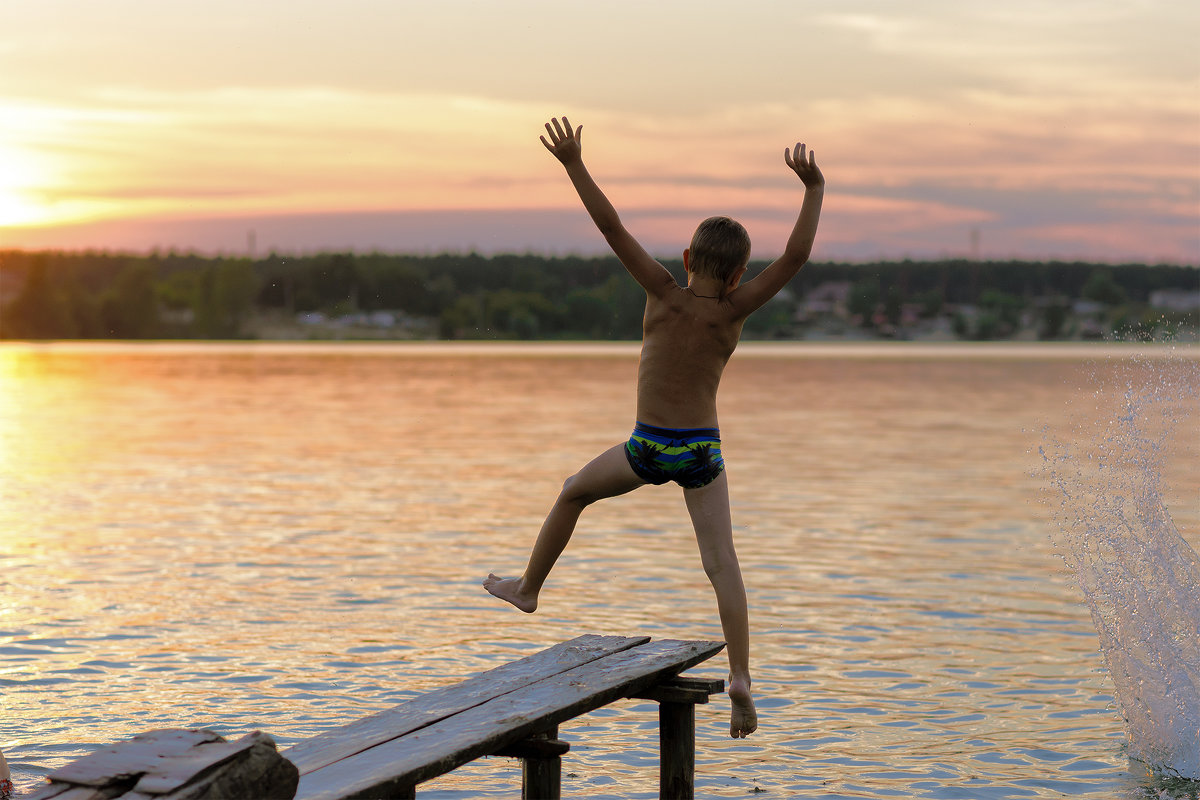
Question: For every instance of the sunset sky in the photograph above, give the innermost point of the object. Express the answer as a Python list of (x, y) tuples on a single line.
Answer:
[(1025, 129)]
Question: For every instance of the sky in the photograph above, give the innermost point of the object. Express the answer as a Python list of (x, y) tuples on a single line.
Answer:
[(945, 128)]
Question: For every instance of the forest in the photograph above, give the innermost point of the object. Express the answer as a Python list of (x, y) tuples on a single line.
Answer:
[(105, 295)]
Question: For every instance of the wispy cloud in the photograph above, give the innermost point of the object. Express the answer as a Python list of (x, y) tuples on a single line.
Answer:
[(1038, 122)]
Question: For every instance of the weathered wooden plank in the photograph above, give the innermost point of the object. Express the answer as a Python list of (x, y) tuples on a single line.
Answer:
[(132, 757), (490, 726), (256, 751), (258, 772), (172, 771), (339, 743), (61, 791), (155, 766), (50, 791)]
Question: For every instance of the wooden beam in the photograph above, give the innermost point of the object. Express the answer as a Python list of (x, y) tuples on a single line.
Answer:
[(682, 690), (535, 748)]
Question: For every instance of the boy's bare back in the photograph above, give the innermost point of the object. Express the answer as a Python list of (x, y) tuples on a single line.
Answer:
[(687, 340)]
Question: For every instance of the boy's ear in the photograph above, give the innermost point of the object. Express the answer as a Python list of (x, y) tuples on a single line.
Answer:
[(737, 277), (687, 254)]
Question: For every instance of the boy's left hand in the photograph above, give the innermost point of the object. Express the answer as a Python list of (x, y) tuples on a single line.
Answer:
[(564, 143)]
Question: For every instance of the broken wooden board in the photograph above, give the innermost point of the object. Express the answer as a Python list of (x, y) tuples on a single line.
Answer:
[(177, 765)]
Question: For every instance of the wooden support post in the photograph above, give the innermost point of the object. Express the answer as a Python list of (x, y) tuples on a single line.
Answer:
[(541, 776), (541, 764), (677, 699), (677, 751)]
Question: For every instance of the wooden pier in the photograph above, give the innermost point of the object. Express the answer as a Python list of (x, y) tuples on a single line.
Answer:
[(513, 710)]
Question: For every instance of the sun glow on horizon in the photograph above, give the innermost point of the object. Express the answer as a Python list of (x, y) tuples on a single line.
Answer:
[(17, 176), (930, 120)]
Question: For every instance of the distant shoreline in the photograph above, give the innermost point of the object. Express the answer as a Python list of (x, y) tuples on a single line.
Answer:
[(344, 296), (622, 349)]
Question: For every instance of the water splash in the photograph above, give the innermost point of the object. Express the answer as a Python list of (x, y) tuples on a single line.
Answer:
[(1139, 576)]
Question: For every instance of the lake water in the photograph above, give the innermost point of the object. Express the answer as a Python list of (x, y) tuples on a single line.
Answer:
[(286, 538)]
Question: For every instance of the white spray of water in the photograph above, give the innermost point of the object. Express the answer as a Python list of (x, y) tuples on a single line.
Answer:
[(1139, 576)]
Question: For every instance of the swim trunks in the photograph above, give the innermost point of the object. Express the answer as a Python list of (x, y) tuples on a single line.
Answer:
[(689, 456)]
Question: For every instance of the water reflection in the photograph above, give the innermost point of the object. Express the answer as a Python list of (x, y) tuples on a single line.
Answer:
[(289, 537)]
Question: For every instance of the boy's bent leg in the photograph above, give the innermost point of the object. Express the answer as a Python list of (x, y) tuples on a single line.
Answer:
[(709, 510), (607, 475)]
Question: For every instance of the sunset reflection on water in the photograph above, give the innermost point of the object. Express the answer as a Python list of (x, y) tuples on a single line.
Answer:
[(289, 537)]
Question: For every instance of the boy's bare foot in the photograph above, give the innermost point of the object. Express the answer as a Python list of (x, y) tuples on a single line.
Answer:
[(743, 719), (510, 589)]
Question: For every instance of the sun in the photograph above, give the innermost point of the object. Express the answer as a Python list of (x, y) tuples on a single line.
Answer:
[(15, 210), (19, 173)]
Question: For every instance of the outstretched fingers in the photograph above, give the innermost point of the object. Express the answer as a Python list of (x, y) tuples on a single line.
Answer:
[(804, 163), (793, 163), (800, 159), (562, 141), (561, 134)]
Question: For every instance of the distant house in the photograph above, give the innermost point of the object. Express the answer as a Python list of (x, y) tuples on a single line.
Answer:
[(827, 299), (176, 316), (1088, 308), (1175, 300)]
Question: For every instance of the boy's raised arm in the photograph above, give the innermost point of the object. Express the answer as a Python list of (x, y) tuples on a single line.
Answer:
[(564, 143), (754, 293)]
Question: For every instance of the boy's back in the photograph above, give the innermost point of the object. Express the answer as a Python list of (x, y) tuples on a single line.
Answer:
[(686, 341)]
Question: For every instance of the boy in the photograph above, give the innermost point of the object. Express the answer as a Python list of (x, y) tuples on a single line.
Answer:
[(688, 335)]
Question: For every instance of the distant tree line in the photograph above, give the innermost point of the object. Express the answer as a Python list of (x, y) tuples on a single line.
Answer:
[(98, 295)]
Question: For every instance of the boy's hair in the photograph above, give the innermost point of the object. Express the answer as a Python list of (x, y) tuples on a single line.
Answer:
[(720, 247)]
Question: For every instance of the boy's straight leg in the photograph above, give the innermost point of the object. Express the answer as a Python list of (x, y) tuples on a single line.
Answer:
[(606, 475), (709, 510)]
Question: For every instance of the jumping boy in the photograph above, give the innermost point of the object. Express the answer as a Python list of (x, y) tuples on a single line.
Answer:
[(688, 334)]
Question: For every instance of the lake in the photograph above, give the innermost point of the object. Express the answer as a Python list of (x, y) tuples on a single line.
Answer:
[(288, 537)]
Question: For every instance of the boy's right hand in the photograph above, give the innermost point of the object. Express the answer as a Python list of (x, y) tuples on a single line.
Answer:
[(805, 167), (564, 143)]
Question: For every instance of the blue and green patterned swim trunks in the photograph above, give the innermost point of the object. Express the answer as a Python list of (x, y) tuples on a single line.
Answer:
[(689, 456)]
